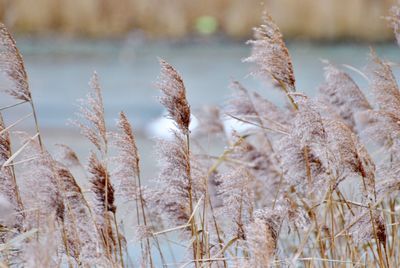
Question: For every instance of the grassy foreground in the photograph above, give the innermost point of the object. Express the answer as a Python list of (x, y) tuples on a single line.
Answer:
[(312, 184)]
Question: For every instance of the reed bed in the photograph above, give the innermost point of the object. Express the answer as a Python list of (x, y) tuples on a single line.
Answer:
[(320, 20), (314, 183)]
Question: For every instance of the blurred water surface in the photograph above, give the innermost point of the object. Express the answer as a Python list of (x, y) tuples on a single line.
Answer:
[(59, 71)]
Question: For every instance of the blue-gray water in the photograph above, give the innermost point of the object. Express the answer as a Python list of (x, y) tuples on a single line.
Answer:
[(59, 71)]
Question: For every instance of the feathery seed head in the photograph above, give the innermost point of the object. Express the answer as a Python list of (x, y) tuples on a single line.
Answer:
[(12, 66), (174, 99), (91, 115), (384, 85), (394, 21), (271, 55), (210, 121), (343, 94), (101, 184), (127, 162), (262, 237)]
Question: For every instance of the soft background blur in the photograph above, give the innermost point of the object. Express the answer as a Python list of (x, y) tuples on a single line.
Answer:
[(63, 41), (317, 19)]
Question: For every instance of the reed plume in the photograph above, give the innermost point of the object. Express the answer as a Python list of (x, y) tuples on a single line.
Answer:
[(262, 237), (236, 190), (370, 226), (104, 206), (350, 157), (128, 174), (174, 98), (340, 91), (384, 85), (271, 56), (43, 252), (9, 189), (302, 152), (67, 156), (84, 241), (262, 163), (174, 155), (91, 121), (91, 116), (177, 172), (174, 182), (128, 168), (252, 107), (279, 195), (42, 193), (99, 175), (387, 97), (394, 21), (12, 66), (210, 118)]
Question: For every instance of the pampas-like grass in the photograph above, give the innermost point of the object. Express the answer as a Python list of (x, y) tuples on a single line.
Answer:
[(84, 240), (12, 66), (300, 187), (271, 56), (91, 116), (174, 180), (128, 168), (104, 207), (8, 185), (384, 85), (236, 191), (343, 94), (303, 152), (174, 98), (254, 108), (262, 237), (394, 20), (42, 193)]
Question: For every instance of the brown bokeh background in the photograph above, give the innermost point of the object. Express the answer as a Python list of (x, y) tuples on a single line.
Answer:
[(311, 19)]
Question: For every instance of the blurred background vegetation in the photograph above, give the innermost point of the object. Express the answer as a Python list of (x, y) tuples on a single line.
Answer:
[(310, 19)]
